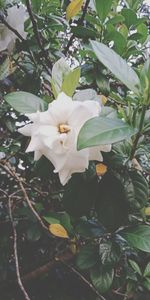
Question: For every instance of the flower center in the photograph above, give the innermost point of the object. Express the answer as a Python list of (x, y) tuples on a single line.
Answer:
[(64, 128)]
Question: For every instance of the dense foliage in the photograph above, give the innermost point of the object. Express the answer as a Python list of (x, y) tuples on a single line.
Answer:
[(88, 239)]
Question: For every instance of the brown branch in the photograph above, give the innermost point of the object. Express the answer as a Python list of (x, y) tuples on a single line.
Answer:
[(6, 166), (16, 252), (45, 268), (2, 19), (37, 35), (84, 280), (80, 22)]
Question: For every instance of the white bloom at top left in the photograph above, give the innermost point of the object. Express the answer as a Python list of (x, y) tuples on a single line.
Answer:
[(16, 16), (54, 134)]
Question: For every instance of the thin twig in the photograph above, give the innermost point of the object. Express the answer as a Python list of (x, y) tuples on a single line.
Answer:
[(37, 35), (80, 22), (83, 279), (2, 19), (6, 166), (26, 296)]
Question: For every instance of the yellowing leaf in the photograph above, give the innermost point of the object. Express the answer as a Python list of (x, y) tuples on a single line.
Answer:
[(73, 8), (147, 211), (58, 230), (101, 169), (103, 99)]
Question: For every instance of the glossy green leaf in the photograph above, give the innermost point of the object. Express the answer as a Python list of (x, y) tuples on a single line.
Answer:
[(24, 102), (117, 65), (83, 32), (102, 131), (103, 7), (147, 271), (135, 266), (102, 278), (138, 237), (87, 257), (70, 82), (146, 283), (135, 189)]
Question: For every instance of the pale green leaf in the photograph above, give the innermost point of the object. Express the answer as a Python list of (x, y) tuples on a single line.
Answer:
[(117, 65)]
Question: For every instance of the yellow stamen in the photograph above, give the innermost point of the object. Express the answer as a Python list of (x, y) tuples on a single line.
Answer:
[(63, 128)]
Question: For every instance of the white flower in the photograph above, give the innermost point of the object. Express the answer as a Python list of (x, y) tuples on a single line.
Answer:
[(54, 134), (16, 16)]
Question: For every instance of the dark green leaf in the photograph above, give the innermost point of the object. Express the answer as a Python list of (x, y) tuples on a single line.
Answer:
[(146, 283), (135, 267), (79, 195), (109, 252), (136, 189), (110, 206), (83, 32), (90, 229), (87, 257), (147, 271), (102, 278), (138, 237)]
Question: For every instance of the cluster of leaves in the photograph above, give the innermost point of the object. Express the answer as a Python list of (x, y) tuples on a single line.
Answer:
[(103, 219)]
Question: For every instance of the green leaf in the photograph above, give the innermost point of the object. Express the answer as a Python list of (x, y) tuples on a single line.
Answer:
[(83, 32), (138, 237), (117, 65), (66, 222), (135, 267), (135, 189), (103, 84), (59, 218), (119, 40), (103, 7), (70, 82), (101, 131), (109, 252), (33, 233), (90, 229), (147, 270), (87, 257), (130, 17), (24, 102), (102, 278), (79, 196), (146, 283), (51, 220), (110, 205)]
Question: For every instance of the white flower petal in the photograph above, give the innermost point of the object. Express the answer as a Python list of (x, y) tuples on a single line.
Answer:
[(37, 155), (54, 135), (95, 154), (26, 130), (82, 112), (64, 176), (105, 148), (35, 144), (60, 109), (57, 160)]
